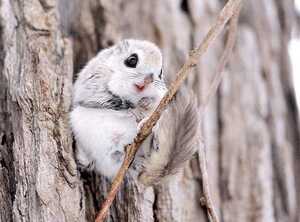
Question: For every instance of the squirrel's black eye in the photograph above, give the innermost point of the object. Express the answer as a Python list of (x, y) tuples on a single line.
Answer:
[(132, 61), (160, 74)]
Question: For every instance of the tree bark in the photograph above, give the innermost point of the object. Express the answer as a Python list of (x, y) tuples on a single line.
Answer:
[(250, 129), (40, 180)]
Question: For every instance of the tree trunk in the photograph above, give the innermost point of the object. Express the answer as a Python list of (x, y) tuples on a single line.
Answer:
[(250, 129)]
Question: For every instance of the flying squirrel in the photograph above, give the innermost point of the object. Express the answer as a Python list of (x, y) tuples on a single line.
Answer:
[(113, 94)]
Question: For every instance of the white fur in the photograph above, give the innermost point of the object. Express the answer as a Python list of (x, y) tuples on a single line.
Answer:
[(99, 132)]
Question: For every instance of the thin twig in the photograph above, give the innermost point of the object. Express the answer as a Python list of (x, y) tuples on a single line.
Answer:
[(232, 33), (227, 12), (224, 59)]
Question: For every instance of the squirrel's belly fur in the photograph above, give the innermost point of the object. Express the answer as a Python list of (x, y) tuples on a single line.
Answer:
[(101, 136)]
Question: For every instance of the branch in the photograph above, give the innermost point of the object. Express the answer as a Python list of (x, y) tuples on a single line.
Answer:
[(212, 90), (224, 58), (227, 12)]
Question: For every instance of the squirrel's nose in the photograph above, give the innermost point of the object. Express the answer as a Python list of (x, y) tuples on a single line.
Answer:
[(149, 78)]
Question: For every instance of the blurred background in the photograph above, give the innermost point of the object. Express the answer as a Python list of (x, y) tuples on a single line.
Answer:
[(250, 130), (294, 50)]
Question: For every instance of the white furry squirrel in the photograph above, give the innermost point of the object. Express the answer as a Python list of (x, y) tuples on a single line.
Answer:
[(113, 95)]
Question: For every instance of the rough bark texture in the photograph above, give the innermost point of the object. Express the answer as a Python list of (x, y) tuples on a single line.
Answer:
[(250, 128)]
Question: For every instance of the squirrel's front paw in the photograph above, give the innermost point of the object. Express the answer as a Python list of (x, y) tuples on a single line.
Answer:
[(141, 123), (137, 114), (146, 103)]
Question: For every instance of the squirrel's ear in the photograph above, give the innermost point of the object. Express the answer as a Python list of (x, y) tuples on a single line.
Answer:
[(123, 46)]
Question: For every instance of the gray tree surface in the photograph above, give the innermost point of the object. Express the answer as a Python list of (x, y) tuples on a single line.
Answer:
[(251, 128)]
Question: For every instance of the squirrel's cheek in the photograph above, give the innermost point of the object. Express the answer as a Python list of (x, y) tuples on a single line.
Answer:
[(161, 93)]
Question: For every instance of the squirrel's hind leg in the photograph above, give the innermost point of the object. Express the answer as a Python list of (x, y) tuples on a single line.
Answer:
[(84, 163)]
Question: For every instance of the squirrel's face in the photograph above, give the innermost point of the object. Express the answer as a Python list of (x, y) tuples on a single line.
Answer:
[(137, 70)]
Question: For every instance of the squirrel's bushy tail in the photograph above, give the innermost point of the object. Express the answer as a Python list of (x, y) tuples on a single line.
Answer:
[(175, 139)]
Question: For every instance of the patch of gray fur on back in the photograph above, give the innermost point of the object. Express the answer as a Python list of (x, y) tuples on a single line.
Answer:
[(176, 139)]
